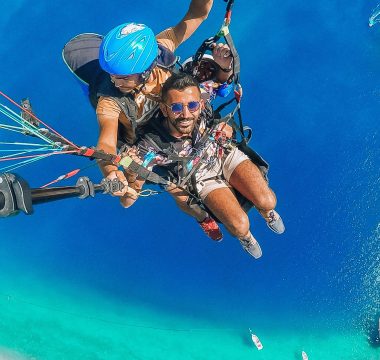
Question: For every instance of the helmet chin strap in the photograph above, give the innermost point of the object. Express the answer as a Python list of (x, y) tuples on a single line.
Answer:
[(144, 78)]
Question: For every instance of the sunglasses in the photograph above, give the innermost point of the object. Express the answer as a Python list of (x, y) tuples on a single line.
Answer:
[(177, 108), (127, 78), (132, 78)]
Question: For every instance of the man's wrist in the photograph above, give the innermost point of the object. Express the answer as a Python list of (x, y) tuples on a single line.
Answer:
[(109, 169)]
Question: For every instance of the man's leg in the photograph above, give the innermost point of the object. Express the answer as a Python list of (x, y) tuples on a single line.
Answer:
[(249, 181), (181, 198), (208, 224), (224, 205)]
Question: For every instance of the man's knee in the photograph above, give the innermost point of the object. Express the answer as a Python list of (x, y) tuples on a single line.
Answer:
[(239, 225), (266, 201)]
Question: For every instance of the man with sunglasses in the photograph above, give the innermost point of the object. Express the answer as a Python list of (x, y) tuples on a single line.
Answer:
[(183, 131)]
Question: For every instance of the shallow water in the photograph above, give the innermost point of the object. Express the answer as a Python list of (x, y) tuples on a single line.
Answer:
[(73, 323)]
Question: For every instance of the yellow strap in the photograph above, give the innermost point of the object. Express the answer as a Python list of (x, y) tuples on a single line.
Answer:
[(224, 30), (126, 161)]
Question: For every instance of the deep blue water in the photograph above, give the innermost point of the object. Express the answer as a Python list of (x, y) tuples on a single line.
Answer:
[(310, 74)]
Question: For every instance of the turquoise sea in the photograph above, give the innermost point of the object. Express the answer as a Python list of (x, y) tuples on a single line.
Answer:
[(87, 279)]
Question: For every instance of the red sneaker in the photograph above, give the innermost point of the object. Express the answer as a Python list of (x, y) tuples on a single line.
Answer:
[(211, 228)]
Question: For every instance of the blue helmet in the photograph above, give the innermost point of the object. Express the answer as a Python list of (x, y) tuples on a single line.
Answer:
[(128, 49)]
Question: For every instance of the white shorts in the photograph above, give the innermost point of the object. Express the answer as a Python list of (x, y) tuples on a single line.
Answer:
[(234, 158)]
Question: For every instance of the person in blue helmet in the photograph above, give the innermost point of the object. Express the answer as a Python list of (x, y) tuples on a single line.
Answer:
[(138, 63)]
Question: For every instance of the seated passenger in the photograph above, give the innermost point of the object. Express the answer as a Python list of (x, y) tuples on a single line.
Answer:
[(211, 169)]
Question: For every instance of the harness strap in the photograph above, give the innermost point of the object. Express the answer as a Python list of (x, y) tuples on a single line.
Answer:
[(123, 106), (142, 172), (193, 179), (169, 156), (235, 76), (204, 143)]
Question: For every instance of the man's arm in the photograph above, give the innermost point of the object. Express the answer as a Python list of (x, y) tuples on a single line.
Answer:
[(134, 181), (135, 185), (223, 57), (107, 140), (197, 13)]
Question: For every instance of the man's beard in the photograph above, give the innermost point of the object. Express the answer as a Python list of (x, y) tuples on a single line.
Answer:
[(181, 128)]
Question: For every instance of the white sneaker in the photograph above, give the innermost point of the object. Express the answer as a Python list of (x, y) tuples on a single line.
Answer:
[(273, 220), (276, 224), (251, 246)]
